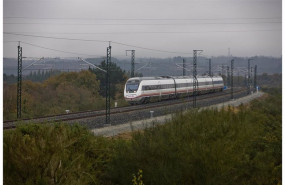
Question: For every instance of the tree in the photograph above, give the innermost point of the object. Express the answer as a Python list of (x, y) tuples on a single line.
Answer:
[(75, 91), (117, 76)]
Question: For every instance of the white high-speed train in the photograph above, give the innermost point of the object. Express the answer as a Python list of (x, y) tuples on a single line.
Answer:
[(145, 89)]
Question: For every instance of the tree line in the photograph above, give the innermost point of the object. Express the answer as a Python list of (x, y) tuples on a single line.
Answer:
[(53, 92)]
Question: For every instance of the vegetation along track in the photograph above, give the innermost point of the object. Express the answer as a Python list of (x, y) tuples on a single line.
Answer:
[(96, 118)]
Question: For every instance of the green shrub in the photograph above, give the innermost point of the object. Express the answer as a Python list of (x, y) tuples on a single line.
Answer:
[(231, 146), (207, 147), (54, 154)]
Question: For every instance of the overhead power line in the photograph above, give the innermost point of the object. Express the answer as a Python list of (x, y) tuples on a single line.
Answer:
[(58, 50), (59, 38), (145, 1), (90, 40), (137, 24), (134, 32), (146, 19), (149, 48)]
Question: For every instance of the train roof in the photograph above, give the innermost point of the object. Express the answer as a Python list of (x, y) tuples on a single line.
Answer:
[(167, 77)]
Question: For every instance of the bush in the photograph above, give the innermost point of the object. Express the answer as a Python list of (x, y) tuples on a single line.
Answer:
[(207, 147), (231, 146), (54, 154)]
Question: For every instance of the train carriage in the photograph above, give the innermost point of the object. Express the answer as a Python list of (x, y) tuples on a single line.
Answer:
[(145, 89)]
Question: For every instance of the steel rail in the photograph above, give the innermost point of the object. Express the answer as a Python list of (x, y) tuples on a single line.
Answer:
[(118, 110)]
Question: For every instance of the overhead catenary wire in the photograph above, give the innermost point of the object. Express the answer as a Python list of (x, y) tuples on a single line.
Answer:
[(137, 24), (58, 38), (143, 32), (119, 43), (145, 19), (92, 40), (59, 50), (145, 1)]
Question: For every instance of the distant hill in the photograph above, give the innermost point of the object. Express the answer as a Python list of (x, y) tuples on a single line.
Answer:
[(150, 66)]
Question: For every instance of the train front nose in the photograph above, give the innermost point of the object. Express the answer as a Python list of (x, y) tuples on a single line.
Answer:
[(132, 91), (132, 96)]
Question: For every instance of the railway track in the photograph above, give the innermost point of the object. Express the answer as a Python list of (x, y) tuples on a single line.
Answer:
[(96, 118)]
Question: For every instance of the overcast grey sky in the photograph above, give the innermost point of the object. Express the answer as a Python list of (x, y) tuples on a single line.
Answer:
[(247, 27)]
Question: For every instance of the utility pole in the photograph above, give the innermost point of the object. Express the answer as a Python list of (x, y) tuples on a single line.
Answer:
[(251, 79), (232, 79), (132, 62), (223, 72), (183, 65), (195, 81), (210, 68), (255, 71), (228, 76), (108, 96), (19, 83), (248, 76), (238, 79)]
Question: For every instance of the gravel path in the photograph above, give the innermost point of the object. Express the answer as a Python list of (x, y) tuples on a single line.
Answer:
[(141, 124)]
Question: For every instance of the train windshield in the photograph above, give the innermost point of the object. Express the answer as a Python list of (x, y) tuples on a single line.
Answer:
[(132, 88)]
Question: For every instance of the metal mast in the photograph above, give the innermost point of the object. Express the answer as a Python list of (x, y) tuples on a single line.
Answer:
[(108, 106), (195, 81), (232, 79), (251, 76), (19, 83), (228, 76), (238, 79), (248, 76), (132, 62), (210, 67), (183, 72), (255, 71)]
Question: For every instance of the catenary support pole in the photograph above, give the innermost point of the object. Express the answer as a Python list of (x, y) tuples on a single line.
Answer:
[(183, 66), (228, 76), (255, 77), (210, 68), (195, 81), (19, 83), (232, 79), (132, 62), (108, 96), (248, 76)]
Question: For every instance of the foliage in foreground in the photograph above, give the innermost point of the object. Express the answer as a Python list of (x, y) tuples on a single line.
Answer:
[(54, 154), (208, 147)]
